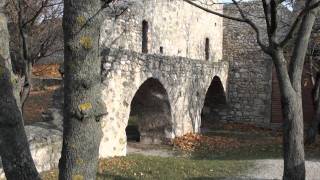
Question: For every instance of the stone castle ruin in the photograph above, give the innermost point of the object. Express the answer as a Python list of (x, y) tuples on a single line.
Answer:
[(162, 59), (169, 69)]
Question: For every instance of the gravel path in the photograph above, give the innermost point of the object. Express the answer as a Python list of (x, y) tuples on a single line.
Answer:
[(269, 169), (149, 150)]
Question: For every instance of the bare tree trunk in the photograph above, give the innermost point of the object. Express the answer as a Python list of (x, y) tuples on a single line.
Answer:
[(27, 84), (294, 160), (293, 147), (83, 106), (14, 148), (293, 144)]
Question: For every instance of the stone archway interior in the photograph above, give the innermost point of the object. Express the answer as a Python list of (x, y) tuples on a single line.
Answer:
[(150, 115), (215, 102)]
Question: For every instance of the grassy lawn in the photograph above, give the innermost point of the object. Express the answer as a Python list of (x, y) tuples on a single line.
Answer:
[(148, 167), (203, 162), (142, 167)]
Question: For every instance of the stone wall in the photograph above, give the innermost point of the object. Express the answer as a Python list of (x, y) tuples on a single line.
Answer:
[(45, 144), (178, 27), (250, 74), (185, 80)]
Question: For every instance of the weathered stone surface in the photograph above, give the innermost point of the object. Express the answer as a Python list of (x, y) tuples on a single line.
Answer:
[(45, 145), (176, 26), (185, 81), (250, 70)]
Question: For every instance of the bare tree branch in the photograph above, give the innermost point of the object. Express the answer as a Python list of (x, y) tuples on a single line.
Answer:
[(243, 19), (296, 23)]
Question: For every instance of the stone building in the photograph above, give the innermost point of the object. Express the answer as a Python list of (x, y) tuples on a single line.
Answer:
[(160, 59), (168, 27), (170, 68), (177, 69)]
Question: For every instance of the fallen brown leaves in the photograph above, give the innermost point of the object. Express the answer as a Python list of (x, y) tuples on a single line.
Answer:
[(192, 142), (115, 163), (47, 70)]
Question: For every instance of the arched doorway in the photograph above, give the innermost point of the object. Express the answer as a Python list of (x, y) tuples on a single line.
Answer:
[(150, 115), (215, 102)]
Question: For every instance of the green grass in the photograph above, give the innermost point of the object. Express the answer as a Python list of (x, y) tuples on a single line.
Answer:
[(173, 168), (142, 167), (202, 164), (242, 153)]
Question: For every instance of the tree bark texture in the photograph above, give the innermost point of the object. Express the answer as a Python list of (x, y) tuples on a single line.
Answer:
[(14, 148), (291, 98), (293, 147), (83, 107)]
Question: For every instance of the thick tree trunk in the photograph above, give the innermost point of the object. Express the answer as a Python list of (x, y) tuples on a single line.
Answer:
[(293, 137), (83, 106), (14, 148), (293, 147)]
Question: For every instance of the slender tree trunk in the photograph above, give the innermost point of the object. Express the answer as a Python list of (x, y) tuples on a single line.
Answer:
[(28, 64), (293, 147), (27, 84), (83, 106), (14, 148)]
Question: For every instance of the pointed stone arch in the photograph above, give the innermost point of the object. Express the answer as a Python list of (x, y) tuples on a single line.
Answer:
[(214, 103), (150, 118)]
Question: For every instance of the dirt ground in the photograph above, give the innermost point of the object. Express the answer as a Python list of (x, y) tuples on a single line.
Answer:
[(37, 104), (39, 100)]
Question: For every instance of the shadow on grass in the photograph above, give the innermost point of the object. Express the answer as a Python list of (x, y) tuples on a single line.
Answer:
[(108, 176), (241, 153), (223, 178)]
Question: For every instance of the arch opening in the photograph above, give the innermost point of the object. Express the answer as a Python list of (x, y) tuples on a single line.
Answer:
[(150, 119), (214, 104)]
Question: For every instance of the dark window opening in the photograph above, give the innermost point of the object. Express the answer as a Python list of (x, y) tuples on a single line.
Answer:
[(145, 28), (161, 50), (207, 49)]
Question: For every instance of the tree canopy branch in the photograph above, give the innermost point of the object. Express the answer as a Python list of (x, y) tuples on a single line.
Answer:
[(243, 19), (296, 23)]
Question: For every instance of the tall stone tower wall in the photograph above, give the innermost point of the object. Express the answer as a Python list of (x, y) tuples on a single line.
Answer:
[(175, 27), (249, 86)]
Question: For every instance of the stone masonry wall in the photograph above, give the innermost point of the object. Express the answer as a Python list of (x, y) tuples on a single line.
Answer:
[(185, 80), (178, 27), (249, 84), (45, 145)]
